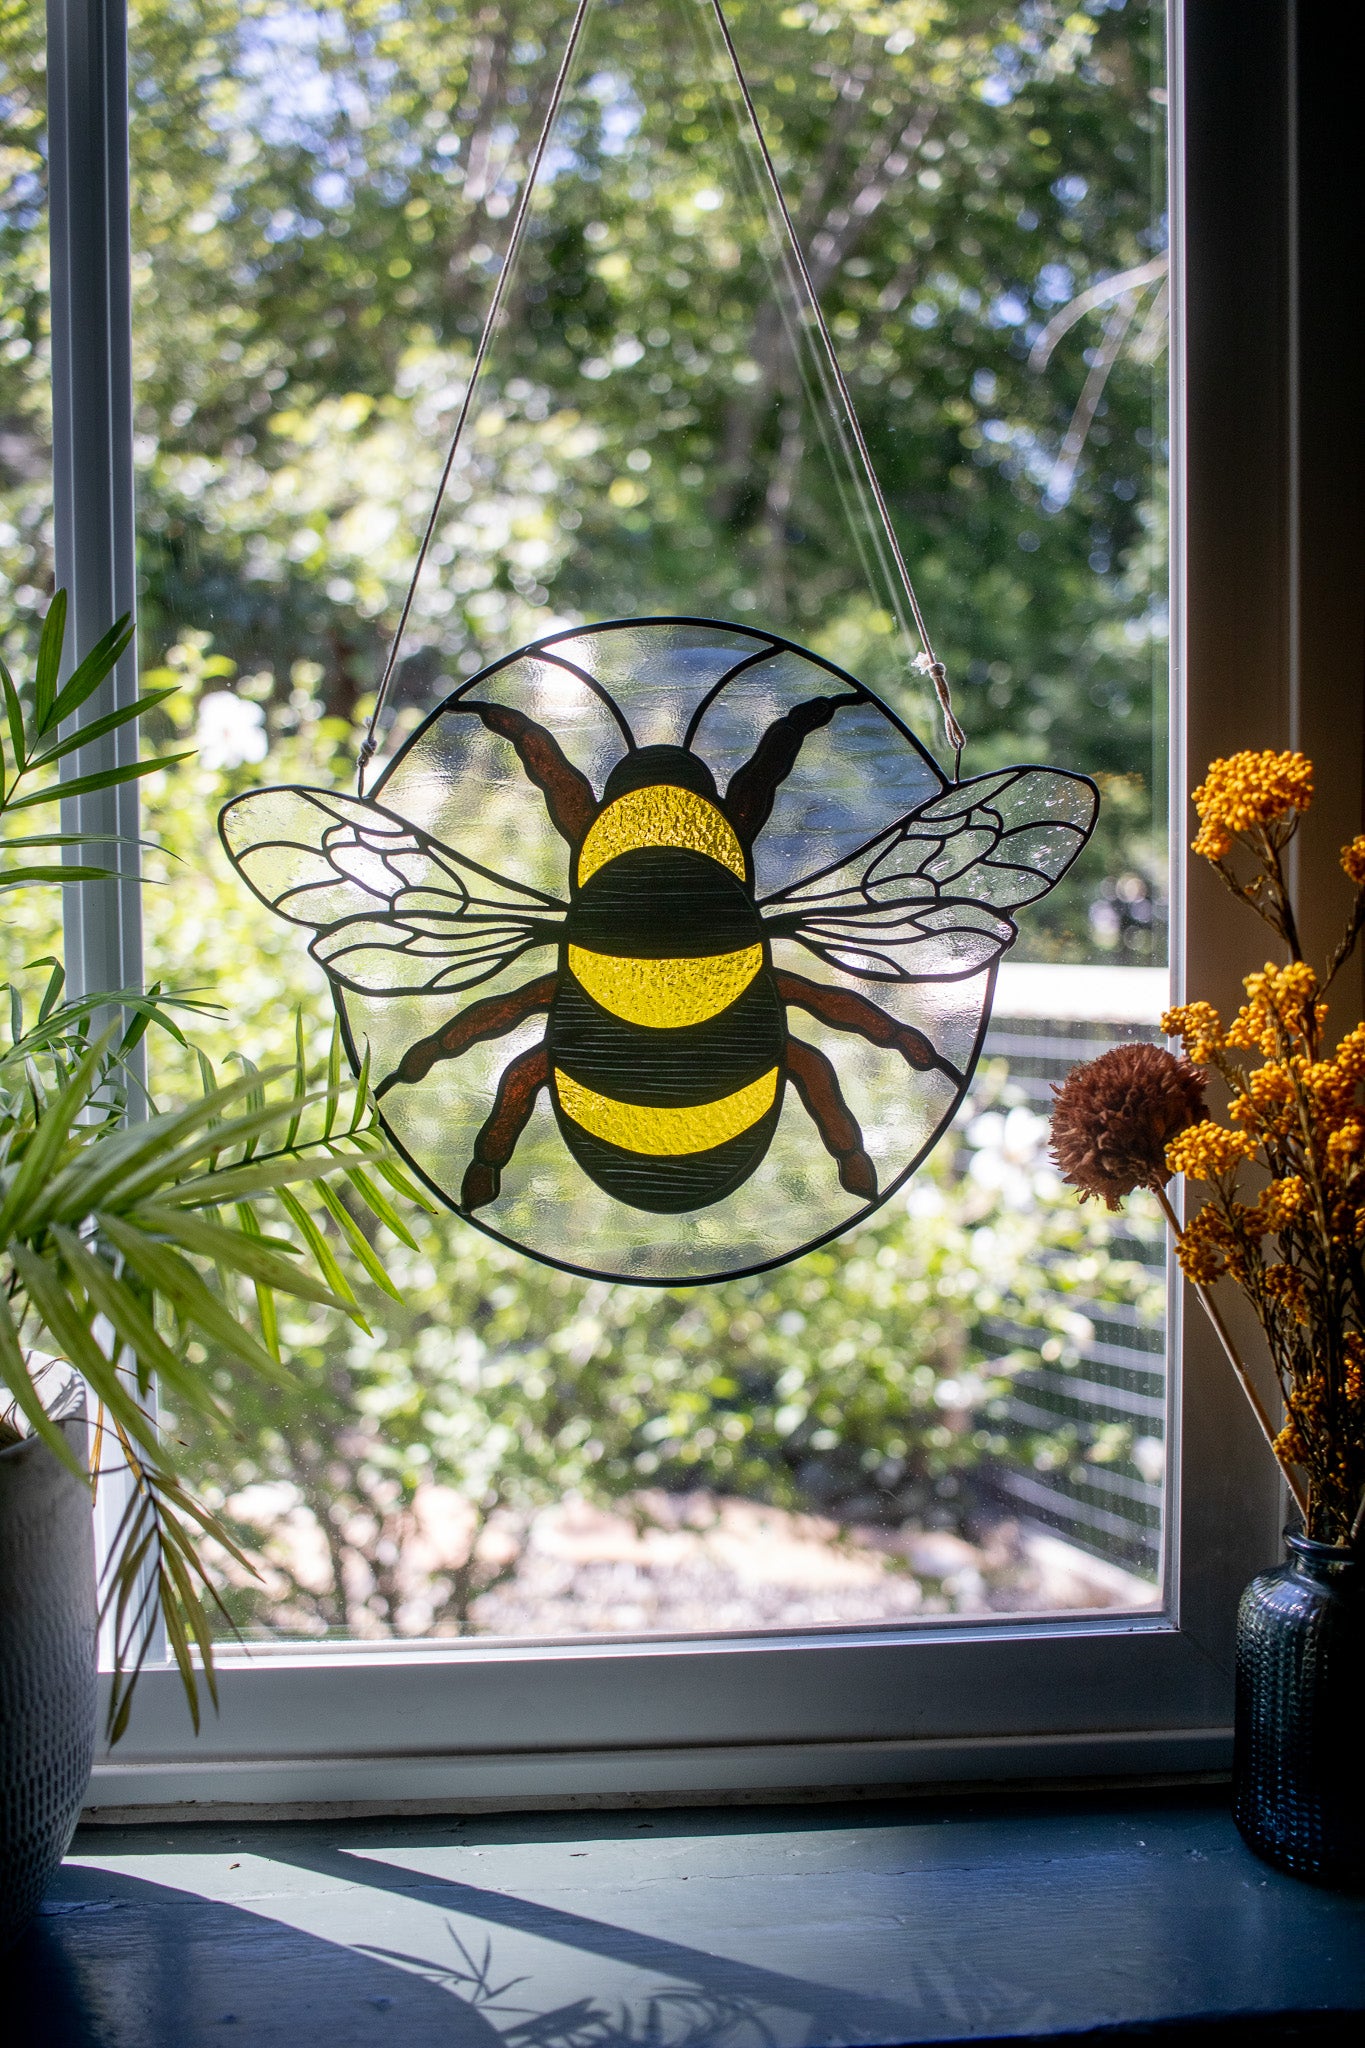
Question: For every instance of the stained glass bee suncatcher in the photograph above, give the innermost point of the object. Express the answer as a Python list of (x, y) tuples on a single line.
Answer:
[(672, 947)]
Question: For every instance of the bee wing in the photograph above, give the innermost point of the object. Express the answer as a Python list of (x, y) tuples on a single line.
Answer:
[(929, 899), (392, 911)]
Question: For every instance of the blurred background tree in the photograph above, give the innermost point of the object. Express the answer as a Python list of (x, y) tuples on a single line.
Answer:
[(321, 201)]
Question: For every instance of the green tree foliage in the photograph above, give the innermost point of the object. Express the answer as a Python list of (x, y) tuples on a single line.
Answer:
[(321, 199), (861, 1384), (25, 396)]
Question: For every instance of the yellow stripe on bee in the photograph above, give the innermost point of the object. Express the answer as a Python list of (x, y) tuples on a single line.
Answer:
[(661, 815), (665, 994), (666, 1133)]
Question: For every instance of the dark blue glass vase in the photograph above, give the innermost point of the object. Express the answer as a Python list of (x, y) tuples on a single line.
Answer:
[(1299, 1758)]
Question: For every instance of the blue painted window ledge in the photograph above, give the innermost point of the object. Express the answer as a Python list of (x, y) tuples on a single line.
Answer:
[(1001, 1918)]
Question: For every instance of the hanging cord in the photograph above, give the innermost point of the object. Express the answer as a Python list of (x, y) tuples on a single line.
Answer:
[(514, 240), (928, 662)]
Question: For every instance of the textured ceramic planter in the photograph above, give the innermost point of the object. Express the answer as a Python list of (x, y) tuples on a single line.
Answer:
[(1299, 1764), (47, 1665)]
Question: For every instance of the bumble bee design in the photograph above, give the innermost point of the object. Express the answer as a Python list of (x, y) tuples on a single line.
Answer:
[(713, 814)]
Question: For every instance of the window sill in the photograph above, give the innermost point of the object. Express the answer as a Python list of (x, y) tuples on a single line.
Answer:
[(527, 1725), (1021, 1917)]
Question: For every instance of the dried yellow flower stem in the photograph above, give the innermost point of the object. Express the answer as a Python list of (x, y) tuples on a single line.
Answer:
[(1224, 1335)]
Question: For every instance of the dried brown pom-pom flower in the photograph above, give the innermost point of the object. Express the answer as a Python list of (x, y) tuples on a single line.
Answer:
[(1115, 1116)]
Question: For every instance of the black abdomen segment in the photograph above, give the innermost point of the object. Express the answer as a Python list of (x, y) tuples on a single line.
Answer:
[(699, 1063), (663, 903), (666, 1069), (670, 1187)]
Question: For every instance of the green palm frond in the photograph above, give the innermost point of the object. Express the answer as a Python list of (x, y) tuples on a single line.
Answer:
[(117, 1252), (32, 745), (131, 1235)]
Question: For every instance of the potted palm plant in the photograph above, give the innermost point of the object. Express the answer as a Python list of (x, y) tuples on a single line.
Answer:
[(126, 1230)]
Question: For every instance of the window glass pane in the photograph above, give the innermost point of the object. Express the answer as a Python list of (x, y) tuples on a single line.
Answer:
[(31, 926), (960, 1406)]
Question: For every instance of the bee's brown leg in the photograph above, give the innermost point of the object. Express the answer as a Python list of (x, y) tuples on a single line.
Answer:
[(848, 1011), (817, 1084), (491, 1018), (522, 1080)]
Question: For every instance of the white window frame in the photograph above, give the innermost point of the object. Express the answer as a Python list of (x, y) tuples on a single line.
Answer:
[(443, 1724)]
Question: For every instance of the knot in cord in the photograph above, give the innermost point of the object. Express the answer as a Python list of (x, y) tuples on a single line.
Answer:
[(929, 665)]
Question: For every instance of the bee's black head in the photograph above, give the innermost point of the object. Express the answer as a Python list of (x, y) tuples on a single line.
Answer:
[(650, 765)]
